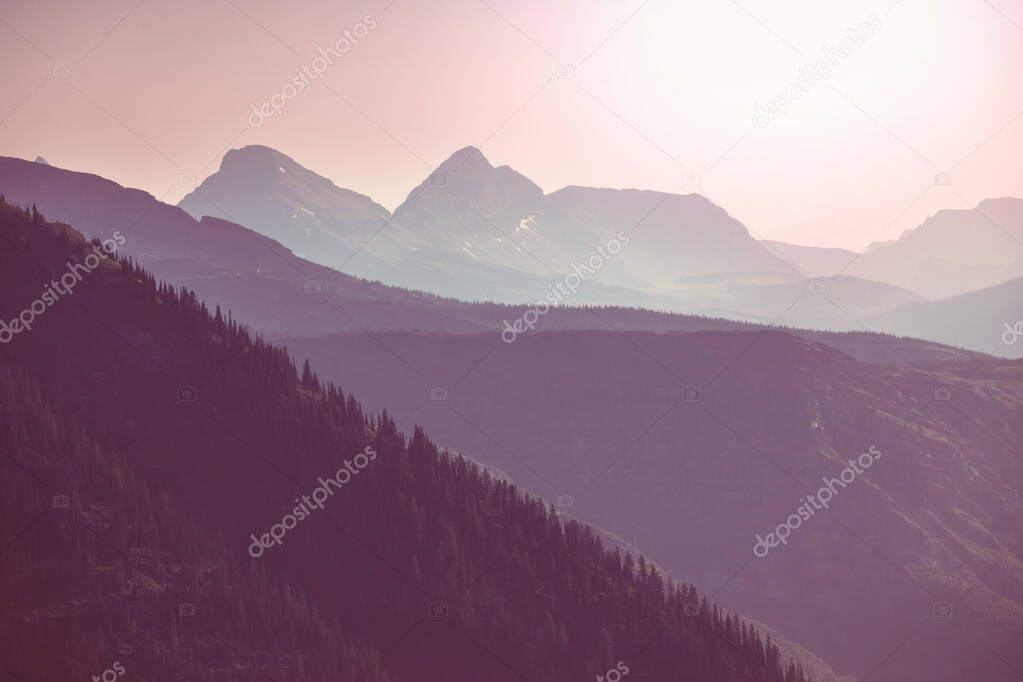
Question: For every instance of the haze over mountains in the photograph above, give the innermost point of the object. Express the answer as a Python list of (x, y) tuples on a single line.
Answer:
[(265, 284), (804, 398), (477, 232), (507, 342), (953, 252), (693, 480), (474, 231), (134, 513), (469, 214)]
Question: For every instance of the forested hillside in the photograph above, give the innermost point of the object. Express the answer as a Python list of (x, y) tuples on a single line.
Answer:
[(149, 444)]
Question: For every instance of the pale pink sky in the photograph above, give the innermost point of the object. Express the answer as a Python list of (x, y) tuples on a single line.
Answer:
[(660, 89)]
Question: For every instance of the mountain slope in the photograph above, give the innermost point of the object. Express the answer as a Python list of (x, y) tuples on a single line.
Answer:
[(217, 426), (676, 238), (262, 188), (987, 320), (812, 261), (605, 418), (265, 285), (120, 566), (428, 244), (952, 252), (473, 230)]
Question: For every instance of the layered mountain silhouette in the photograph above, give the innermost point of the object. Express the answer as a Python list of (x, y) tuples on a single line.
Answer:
[(149, 443), (474, 231), (884, 386), (260, 186), (692, 444), (444, 239), (271, 289), (989, 319), (953, 252), (418, 249)]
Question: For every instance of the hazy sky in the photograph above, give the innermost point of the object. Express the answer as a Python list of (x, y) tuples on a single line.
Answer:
[(660, 93)]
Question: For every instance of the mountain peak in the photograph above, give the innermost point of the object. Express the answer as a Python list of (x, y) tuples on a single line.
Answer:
[(254, 155), (468, 157), (43, 161)]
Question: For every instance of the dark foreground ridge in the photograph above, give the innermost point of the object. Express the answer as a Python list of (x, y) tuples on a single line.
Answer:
[(147, 442)]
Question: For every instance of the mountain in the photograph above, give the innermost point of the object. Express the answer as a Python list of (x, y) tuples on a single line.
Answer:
[(260, 187), (260, 280), (468, 206), (273, 291), (99, 573), (479, 232), (690, 445), (677, 239), (952, 252), (987, 321), (459, 226), (474, 231), (273, 278), (425, 245), (812, 261), (153, 451)]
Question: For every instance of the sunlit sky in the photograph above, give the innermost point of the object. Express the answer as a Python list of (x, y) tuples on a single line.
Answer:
[(660, 94)]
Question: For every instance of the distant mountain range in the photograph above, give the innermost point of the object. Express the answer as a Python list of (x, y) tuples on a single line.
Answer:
[(604, 418), (146, 529), (953, 252), (474, 232), (478, 232), (989, 320), (946, 510), (468, 213), (279, 293)]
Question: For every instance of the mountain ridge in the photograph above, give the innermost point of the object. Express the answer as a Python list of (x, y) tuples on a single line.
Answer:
[(366, 590)]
